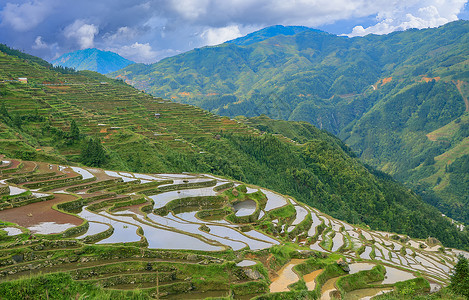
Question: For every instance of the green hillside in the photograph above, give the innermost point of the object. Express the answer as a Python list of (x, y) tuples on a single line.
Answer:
[(400, 101), (87, 118), (92, 60)]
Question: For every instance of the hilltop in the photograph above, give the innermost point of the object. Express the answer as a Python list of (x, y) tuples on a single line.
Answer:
[(398, 100), (86, 118), (92, 60)]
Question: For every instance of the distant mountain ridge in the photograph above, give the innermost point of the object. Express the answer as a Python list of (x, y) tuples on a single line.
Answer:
[(269, 32), (399, 100), (93, 59)]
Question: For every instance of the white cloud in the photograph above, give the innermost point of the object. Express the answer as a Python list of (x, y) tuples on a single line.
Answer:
[(124, 33), (190, 9), (138, 52), (39, 43), (83, 33), (215, 36), (413, 14), (25, 16)]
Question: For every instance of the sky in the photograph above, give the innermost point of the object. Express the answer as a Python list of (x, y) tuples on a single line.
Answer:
[(148, 30)]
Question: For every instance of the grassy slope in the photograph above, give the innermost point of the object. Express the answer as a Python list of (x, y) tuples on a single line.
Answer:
[(323, 172)]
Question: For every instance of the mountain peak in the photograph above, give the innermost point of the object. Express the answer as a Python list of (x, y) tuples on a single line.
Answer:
[(93, 59), (268, 32)]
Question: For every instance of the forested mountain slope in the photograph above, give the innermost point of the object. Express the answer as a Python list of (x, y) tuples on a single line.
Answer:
[(399, 100), (85, 117), (92, 60)]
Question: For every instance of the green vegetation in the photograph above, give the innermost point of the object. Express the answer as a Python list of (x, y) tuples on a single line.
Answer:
[(399, 100), (460, 277), (118, 129)]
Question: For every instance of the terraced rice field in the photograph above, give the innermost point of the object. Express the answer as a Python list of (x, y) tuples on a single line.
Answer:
[(158, 229)]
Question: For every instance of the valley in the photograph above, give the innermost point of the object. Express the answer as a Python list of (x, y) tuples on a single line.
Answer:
[(385, 96)]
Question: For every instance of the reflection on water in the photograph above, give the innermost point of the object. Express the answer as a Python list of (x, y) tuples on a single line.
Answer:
[(166, 239), (94, 228), (164, 198), (357, 267), (301, 214), (11, 231), (394, 275), (246, 263), (337, 241), (273, 200), (84, 173), (366, 254), (245, 208), (49, 227)]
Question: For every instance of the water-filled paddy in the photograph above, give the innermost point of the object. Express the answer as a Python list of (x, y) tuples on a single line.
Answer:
[(166, 239), (50, 227), (274, 200), (246, 263), (84, 173), (301, 214), (286, 276), (164, 198), (357, 267), (394, 275), (364, 294), (94, 228), (366, 254), (11, 231), (310, 279), (245, 208)]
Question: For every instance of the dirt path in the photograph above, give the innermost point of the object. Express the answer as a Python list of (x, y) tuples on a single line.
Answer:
[(459, 86)]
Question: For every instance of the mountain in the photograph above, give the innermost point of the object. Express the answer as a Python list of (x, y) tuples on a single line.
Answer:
[(84, 117), (268, 32), (399, 100), (93, 60)]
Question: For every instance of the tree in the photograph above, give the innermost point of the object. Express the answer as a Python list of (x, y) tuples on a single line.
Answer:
[(460, 277), (74, 131), (93, 153), (4, 112)]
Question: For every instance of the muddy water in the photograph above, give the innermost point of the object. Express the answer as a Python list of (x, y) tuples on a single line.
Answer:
[(327, 288), (310, 279), (366, 293), (286, 276)]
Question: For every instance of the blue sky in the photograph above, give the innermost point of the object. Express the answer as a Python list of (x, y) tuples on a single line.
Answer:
[(149, 30)]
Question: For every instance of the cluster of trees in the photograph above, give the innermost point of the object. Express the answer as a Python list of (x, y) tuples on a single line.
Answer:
[(460, 277)]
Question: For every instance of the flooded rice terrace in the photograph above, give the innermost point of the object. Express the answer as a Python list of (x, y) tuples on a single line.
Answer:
[(207, 213)]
